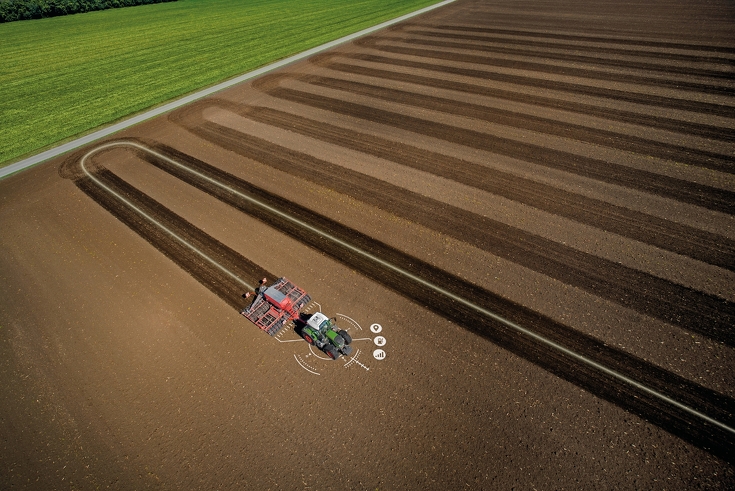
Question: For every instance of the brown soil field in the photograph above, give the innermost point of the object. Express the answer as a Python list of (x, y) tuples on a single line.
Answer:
[(532, 202)]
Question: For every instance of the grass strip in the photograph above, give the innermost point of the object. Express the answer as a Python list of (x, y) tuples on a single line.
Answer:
[(65, 76)]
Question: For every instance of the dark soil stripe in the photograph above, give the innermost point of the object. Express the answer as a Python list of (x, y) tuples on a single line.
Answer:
[(673, 125), (673, 420), (577, 47), (696, 194), (573, 58), (608, 23), (576, 37), (667, 235), (611, 139), (554, 69), (617, 95), (204, 272), (696, 311)]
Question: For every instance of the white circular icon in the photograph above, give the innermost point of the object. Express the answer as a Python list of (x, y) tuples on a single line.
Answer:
[(376, 328), (379, 354), (379, 341)]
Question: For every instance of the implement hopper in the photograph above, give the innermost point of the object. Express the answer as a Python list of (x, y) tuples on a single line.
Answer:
[(276, 305)]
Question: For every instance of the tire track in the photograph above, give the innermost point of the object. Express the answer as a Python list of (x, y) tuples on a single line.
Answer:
[(715, 60), (548, 68), (572, 58), (630, 143), (687, 308), (667, 124), (575, 37), (572, 88), (672, 418), (681, 239), (604, 22), (664, 186)]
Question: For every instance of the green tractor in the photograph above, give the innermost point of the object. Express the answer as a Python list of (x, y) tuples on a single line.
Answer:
[(323, 333)]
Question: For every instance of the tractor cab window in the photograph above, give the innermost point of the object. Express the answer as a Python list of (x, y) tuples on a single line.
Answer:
[(326, 324)]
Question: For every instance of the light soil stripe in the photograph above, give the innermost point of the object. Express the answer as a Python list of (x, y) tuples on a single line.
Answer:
[(97, 135), (668, 209), (402, 272)]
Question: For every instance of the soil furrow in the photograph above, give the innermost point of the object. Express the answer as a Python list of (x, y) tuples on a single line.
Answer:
[(630, 143), (604, 24), (552, 69), (573, 58), (587, 90), (576, 47), (664, 186), (575, 37), (685, 307), (673, 125), (681, 239)]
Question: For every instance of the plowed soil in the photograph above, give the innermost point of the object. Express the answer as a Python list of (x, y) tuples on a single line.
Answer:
[(567, 168)]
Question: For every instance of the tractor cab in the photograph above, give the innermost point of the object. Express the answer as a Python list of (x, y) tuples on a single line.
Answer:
[(319, 322)]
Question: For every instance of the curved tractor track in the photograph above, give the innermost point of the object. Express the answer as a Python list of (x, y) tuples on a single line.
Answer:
[(192, 249), (632, 383)]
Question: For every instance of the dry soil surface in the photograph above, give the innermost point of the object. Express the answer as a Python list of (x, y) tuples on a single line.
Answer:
[(532, 202)]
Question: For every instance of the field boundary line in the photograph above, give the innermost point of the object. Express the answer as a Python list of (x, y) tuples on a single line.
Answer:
[(177, 103)]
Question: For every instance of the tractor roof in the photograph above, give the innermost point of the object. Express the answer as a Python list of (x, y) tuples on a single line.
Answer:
[(316, 320)]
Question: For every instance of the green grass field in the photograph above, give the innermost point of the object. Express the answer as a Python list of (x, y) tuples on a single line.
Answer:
[(65, 76)]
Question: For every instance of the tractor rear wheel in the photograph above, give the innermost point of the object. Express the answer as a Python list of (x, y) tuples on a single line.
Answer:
[(346, 336), (308, 338)]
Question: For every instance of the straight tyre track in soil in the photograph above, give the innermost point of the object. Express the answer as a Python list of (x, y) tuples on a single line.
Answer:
[(673, 125), (681, 239), (659, 55), (408, 26), (607, 76), (671, 418), (664, 186), (608, 24), (611, 139), (690, 309), (652, 100), (590, 60)]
